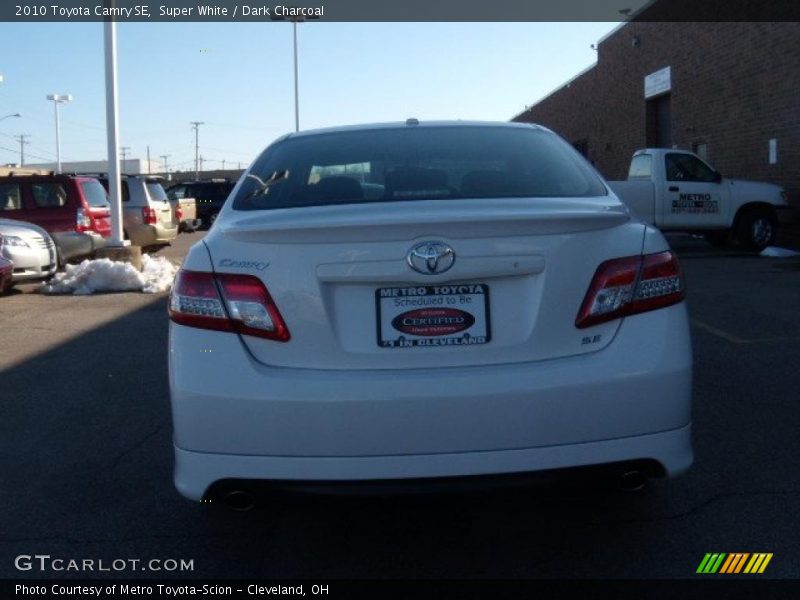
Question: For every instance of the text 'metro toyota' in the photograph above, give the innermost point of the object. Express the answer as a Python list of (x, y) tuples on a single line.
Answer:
[(425, 300)]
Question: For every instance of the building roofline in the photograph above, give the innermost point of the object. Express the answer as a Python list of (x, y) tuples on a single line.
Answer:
[(557, 89), (632, 17)]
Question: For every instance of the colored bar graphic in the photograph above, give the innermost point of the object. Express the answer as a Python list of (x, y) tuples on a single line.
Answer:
[(722, 563)]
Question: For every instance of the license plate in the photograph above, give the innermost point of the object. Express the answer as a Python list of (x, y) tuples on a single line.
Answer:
[(435, 315)]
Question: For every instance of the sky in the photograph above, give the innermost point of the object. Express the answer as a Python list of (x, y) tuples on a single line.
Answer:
[(238, 79)]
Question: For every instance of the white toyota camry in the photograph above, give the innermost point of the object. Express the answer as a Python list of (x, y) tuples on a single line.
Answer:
[(425, 300)]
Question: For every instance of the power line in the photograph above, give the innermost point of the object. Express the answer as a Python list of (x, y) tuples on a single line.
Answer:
[(36, 148), (14, 151)]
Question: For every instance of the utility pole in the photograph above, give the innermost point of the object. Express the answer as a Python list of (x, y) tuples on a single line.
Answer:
[(124, 151), (223, 164), (201, 163), (196, 125), (166, 170), (148, 159), (22, 141)]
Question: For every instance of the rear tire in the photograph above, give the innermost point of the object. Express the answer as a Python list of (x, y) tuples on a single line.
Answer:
[(756, 229)]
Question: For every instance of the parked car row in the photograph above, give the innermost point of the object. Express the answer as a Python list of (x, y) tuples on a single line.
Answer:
[(73, 210), (47, 220)]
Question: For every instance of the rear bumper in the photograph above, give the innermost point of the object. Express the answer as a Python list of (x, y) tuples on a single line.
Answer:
[(237, 419), (152, 235), (196, 472)]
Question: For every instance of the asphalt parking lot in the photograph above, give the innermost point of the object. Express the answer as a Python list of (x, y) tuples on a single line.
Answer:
[(86, 459)]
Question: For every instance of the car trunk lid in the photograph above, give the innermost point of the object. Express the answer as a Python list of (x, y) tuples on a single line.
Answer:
[(353, 297)]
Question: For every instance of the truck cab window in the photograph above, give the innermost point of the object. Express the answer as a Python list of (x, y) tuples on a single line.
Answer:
[(685, 167), (641, 167)]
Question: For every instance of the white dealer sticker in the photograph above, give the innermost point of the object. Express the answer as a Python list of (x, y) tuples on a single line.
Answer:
[(436, 315)]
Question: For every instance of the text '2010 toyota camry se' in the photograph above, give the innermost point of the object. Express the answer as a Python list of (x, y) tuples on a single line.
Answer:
[(425, 300)]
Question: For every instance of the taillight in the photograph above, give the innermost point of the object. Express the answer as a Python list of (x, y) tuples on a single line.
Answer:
[(83, 222), (627, 286), (149, 216), (226, 302)]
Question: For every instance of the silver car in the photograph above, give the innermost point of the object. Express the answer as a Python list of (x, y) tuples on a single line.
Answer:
[(30, 248)]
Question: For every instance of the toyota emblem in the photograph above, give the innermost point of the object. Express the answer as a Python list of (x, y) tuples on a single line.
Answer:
[(431, 258)]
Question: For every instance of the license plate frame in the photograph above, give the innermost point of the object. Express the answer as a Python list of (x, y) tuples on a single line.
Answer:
[(444, 315)]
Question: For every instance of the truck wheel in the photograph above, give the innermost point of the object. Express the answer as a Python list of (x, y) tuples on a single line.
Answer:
[(756, 229)]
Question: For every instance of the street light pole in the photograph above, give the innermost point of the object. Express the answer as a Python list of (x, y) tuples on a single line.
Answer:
[(58, 99), (196, 125), (166, 169), (296, 87), (112, 133)]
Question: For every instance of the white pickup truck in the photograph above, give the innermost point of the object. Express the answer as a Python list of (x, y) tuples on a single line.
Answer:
[(676, 190)]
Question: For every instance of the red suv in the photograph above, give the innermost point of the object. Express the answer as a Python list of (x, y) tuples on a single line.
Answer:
[(73, 210)]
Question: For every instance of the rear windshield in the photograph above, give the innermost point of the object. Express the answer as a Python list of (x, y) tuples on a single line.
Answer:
[(95, 194), (156, 191), (417, 163)]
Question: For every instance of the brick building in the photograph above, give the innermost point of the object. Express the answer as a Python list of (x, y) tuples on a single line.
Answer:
[(728, 91)]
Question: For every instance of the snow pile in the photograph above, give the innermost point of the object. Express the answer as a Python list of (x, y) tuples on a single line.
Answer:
[(775, 252), (105, 275), (158, 274)]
